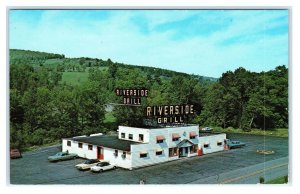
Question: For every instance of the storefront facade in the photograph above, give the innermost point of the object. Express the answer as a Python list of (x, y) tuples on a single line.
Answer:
[(138, 147)]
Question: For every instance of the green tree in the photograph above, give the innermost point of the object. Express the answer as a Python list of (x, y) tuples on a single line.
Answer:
[(91, 106), (112, 68), (66, 114)]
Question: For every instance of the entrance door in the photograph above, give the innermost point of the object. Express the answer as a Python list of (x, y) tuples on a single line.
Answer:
[(186, 150), (183, 152), (100, 154)]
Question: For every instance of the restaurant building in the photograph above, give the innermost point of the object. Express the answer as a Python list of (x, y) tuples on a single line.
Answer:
[(137, 147)]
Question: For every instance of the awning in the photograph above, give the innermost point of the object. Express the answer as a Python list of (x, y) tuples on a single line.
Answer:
[(193, 134), (185, 143), (220, 141), (175, 136), (160, 137), (206, 143), (143, 152), (159, 150)]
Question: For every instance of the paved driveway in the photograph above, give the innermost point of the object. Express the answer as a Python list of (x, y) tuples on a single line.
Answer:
[(34, 168)]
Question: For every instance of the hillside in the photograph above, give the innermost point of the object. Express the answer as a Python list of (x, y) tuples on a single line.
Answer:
[(75, 70), (52, 97)]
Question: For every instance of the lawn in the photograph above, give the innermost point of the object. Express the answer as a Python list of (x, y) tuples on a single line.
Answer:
[(56, 142), (280, 132), (280, 180), (109, 118), (75, 78)]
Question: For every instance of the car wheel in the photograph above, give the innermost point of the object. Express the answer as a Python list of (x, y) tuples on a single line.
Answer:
[(74, 157), (101, 170), (114, 167)]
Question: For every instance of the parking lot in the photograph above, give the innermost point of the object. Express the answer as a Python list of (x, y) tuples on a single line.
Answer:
[(34, 167)]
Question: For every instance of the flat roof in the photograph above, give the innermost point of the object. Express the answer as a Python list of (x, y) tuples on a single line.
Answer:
[(109, 141), (161, 126)]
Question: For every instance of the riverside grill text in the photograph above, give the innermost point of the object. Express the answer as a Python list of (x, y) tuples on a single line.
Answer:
[(169, 113)]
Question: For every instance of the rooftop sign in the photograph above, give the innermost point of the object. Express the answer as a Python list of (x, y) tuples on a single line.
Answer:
[(170, 113)]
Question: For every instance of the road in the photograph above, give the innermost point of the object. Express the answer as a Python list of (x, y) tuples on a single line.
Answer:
[(238, 166), (250, 175)]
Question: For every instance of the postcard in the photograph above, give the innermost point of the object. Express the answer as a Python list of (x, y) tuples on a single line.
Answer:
[(148, 96)]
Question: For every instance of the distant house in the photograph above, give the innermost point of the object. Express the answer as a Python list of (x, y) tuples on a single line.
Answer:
[(138, 147)]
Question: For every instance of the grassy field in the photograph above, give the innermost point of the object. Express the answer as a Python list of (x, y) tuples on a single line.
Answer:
[(281, 132), (280, 180), (75, 78), (109, 118), (41, 146)]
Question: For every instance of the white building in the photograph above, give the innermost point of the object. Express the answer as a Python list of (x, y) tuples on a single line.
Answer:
[(137, 147)]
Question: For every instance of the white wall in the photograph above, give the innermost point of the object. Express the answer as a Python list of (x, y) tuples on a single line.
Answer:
[(151, 154), (92, 154), (133, 159), (212, 140), (152, 146), (181, 131), (83, 152), (118, 161), (135, 132)]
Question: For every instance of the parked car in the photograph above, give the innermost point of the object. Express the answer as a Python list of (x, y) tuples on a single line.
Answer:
[(206, 129), (103, 166), (15, 153), (87, 164), (62, 156), (234, 144)]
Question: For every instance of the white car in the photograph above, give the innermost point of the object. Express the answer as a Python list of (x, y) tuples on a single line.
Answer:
[(103, 166), (207, 129), (87, 164)]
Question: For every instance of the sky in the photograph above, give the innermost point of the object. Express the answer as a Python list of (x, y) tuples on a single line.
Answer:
[(203, 42)]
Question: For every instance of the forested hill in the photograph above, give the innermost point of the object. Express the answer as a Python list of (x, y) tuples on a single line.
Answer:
[(62, 64), (52, 97)]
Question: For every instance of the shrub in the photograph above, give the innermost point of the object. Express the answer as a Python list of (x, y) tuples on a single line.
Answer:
[(286, 179), (261, 179)]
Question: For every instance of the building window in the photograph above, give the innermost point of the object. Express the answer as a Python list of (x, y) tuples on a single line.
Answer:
[(206, 145), (175, 137), (68, 143), (90, 147), (141, 137), (219, 143), (116, 153), (193, 135), (160, 139), (143, 155), (80, 145), (124, 155), (130, 136), (194, 149), (173, 152), (158, 153), (122, 135)]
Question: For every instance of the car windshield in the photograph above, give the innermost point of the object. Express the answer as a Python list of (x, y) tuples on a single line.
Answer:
[(102, 164), (59, 154), (88, 162)]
